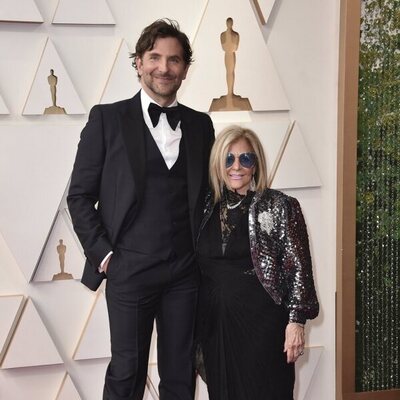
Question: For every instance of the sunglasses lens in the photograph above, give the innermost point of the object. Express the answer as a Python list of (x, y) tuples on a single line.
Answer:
[(230, 159), (247, 160)]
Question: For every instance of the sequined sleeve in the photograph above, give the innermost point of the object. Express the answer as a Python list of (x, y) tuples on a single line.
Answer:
[(301, 298)]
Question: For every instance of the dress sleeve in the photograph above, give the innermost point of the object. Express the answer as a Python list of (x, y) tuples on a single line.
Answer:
[(297, 265)]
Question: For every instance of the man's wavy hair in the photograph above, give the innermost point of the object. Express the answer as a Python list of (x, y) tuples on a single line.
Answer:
[(162, 28)]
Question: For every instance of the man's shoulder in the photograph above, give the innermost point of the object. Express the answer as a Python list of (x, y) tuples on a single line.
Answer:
[(192, 112), (117, 105)]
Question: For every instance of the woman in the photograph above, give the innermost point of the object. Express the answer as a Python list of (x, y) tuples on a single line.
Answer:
[(257, 288)]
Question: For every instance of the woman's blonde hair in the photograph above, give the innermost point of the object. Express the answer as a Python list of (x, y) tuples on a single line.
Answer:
[(217, 170)]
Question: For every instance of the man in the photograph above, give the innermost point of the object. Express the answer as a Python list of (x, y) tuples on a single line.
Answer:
[(136, 201)]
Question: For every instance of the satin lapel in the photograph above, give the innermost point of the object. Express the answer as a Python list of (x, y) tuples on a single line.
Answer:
[(193, 147), (132, 126)]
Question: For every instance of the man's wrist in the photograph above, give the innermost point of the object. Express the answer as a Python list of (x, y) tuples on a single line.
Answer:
[(105, 261)]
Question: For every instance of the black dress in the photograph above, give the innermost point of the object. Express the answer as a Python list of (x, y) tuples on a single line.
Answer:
[(241, 331)]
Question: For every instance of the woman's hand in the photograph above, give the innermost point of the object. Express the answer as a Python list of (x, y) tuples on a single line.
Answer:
[(294, 341)]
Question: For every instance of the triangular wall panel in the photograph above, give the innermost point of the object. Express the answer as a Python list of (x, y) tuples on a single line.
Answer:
[(270, 132), (40, 97), (31, 194), (31, 383), (3, 108), (306, 367), (67, 390), (31, 344), (63, 207), (50, 263), (152, 382), (19, 11), (201, 388), (153, 346), (122, 82), (83, 12), (282, 148), (296, 168), (207, 76), (264, 8), (10, 311), (94, 341)]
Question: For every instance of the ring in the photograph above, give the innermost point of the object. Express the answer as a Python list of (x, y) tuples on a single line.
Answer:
[(301, 353)]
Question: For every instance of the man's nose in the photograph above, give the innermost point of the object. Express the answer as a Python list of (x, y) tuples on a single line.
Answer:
[(163, 65)]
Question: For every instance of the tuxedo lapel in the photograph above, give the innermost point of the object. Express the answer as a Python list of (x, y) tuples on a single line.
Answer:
[(132, 127)]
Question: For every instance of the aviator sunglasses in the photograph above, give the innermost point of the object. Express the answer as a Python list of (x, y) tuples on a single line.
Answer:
[(246, 160)]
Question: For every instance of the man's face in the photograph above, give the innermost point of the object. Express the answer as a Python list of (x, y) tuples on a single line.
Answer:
[(162, 70)]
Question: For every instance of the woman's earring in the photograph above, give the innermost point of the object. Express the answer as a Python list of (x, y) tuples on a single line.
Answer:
[(253, 184)]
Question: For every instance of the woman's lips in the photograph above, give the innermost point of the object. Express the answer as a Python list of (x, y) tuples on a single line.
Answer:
[(235, 176)]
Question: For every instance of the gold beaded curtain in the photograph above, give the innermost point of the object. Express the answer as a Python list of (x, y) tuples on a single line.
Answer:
[(378, 199)]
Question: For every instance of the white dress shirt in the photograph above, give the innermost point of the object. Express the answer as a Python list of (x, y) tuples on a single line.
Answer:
[(166, 138)]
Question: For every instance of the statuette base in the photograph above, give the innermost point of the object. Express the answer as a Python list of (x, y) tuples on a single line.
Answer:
[(54, 110), (62, 276), (231, 103)]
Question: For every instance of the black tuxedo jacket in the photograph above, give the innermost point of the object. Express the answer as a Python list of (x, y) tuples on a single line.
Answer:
[(108, 178)]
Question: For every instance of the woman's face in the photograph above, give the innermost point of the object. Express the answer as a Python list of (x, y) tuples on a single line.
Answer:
[(239, 177)]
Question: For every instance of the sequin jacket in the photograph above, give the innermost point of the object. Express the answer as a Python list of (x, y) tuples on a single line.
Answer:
[(280, 251)]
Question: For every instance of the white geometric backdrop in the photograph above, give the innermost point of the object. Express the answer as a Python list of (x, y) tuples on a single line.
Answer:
[(54, 337)]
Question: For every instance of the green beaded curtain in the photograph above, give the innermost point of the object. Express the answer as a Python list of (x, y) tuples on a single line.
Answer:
[(378, 199)]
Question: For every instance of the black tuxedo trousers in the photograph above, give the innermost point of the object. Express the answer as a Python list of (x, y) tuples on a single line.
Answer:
[(140, 290)]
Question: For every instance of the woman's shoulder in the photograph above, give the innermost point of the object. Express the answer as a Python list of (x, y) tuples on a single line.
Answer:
[(274, 196), (275, 199)]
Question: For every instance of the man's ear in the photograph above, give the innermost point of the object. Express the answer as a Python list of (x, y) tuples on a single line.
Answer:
[(139, 65), (186, 71)]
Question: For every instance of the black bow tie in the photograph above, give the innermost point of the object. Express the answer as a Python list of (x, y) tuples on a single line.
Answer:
[(173, 115)]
